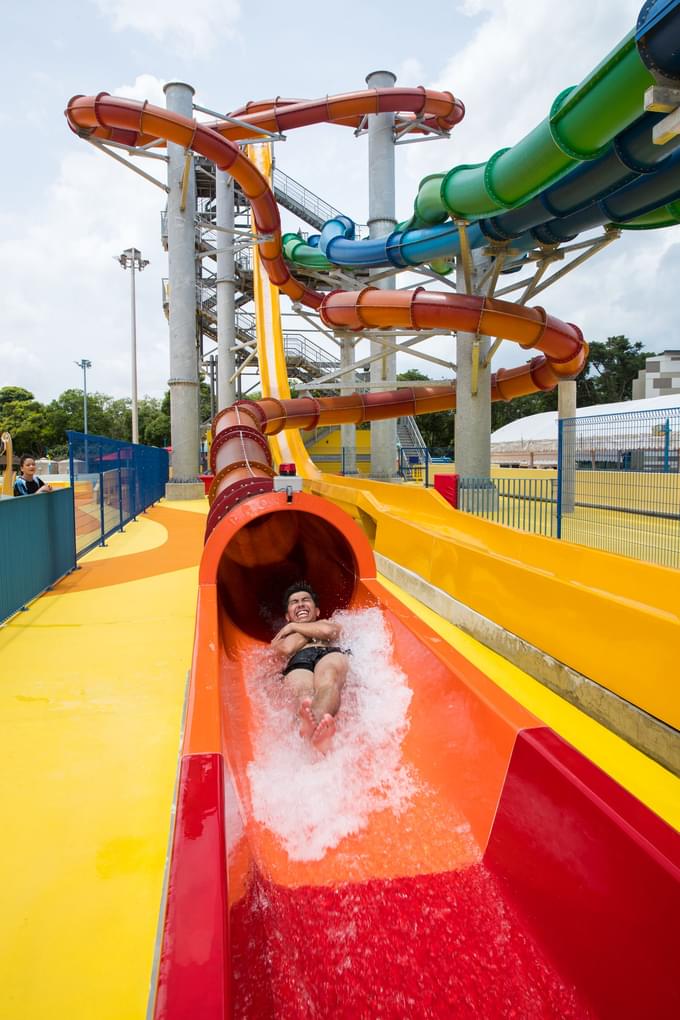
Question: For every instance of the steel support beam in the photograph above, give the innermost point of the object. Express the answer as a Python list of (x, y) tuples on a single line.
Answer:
[(226, 292), (473, 390), (183, 382), (381, 221), (348, 433)]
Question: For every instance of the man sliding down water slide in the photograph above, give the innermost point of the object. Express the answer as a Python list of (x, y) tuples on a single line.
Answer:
[(316, 669)]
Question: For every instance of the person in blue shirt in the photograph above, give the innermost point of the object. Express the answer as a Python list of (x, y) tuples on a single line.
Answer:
[(27, 482)]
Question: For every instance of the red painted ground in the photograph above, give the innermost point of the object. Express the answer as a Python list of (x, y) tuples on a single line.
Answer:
[(446, 945)]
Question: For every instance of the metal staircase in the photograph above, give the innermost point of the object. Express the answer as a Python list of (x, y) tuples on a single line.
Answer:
[(306, 360), (299, 200), (410, 437)]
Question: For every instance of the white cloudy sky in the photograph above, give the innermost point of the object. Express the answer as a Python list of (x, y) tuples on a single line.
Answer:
[(66, 210)]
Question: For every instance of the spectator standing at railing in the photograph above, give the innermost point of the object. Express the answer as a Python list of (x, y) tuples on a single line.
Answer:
[(27, 482)]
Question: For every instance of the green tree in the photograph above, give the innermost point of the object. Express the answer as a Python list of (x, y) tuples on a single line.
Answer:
[(14, 395), (117, 417), (26, 421), (156, 430), (503, 412), (437, 428), (612, 367)]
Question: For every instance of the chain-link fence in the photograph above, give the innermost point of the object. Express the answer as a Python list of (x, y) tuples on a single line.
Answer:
[(619, 483), (617, 487), (525, 502), (112, 482)]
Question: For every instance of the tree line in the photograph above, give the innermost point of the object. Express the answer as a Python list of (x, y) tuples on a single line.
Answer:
[(40, 429), (608, 379)]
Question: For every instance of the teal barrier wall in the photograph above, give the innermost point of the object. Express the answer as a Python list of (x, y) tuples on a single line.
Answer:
[(37, 546)]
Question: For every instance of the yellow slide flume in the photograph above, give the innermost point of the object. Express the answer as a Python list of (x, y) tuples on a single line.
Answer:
[(598, 613)]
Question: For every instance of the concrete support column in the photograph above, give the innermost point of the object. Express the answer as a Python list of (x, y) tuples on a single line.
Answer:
[(566, 408), (226, 288), (183, 382), (381, 220), (473, 410), (348, 433)]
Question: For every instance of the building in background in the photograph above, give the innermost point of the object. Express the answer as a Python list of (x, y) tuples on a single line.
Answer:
[(660, 377), (531, 442)]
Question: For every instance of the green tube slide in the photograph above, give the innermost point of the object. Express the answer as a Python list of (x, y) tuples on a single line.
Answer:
[(301, 254), (582, 122), (664, 216)]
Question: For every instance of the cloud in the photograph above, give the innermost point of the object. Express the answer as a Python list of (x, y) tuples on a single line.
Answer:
[(190, 31), (518, 59), (146, 86), (78, 304)]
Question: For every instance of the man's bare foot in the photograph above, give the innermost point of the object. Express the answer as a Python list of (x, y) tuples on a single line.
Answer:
[(308, 722), (323, 734)]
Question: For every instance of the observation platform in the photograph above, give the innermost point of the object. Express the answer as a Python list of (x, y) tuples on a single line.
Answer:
[(94, 681)]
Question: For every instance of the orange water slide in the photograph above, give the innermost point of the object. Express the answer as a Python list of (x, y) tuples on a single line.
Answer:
[(563, 345), (466, 898), (427, 108), (563, 348)]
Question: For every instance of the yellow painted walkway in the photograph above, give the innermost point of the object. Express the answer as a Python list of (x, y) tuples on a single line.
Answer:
[(93, 682)]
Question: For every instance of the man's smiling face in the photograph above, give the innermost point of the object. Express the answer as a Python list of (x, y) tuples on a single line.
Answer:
[(302, 608)]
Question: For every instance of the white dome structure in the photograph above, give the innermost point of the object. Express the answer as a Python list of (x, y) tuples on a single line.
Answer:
[(532, 441)]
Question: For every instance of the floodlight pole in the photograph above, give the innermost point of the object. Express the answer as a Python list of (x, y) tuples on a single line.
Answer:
[(84, 364), (132, 259)]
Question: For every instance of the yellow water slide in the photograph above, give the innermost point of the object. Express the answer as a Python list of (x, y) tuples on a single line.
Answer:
[(613, 619)]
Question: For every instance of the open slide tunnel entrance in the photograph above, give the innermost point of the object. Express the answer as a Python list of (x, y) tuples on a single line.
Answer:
[(284, 545)]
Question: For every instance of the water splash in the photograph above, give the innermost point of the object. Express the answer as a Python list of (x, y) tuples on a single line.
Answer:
[(312, 802)]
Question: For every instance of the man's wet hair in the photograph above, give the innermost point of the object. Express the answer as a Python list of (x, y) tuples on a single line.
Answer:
[(300, 586)]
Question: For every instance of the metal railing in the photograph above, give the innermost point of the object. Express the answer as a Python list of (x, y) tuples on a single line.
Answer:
[(617, 487), (298, 347), (619, 483), (298, 199), (408, 432), (528, 503), (414, 464), (112, 482)]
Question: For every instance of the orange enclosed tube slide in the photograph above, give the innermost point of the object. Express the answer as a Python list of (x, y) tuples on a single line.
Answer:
[(240, 458), (429, 110), (562, 343)]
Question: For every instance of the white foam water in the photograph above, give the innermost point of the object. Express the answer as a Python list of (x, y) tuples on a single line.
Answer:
[(311, 801)]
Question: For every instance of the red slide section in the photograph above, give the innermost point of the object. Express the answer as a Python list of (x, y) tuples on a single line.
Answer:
[(517, 879)]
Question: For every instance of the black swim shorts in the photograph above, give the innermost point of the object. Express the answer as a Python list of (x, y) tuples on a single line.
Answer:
[(308, 657)]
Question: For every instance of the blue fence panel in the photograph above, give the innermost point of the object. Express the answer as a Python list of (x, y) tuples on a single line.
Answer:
[(37, 546), (619, 483), (112, 483), (414, 464), (526, 502)]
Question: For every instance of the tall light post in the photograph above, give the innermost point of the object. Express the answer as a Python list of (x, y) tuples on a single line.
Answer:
[(84, 364), (132, 259)]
